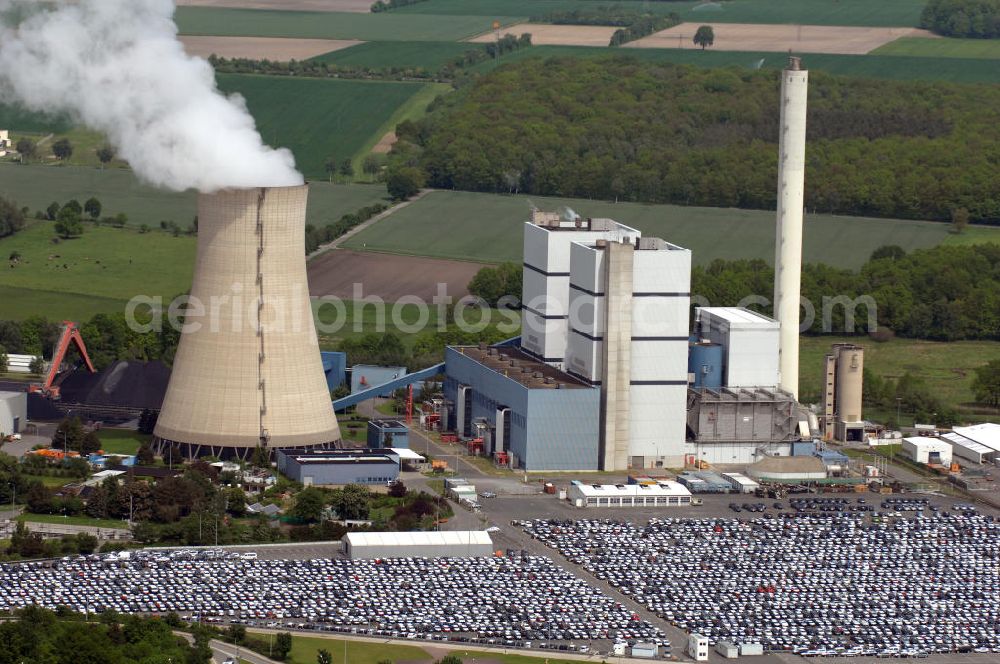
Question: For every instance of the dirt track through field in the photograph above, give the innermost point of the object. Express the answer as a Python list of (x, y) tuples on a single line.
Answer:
[(387, 276), (385, 143), (779, 38), (555, 35), (357, 6), (262, 48)]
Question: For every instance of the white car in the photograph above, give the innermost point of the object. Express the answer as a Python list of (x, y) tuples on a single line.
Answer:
[(493, 529), (249, 555)]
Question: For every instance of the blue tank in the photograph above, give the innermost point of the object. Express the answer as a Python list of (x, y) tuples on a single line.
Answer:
[(705, 361)]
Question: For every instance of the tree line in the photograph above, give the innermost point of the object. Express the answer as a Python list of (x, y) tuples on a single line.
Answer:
[(318, 236), (63, 637), (619, 129), (946, 293), (643, 27), (386, 5), (11, 217), (978, 19)]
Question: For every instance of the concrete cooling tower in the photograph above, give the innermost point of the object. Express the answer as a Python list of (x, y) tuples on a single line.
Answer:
[(248, 370)]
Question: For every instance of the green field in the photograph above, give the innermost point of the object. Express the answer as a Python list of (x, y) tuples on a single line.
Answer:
[(947, 368), (121, 441), (901, 67), (429, 55), (492, 229), (809, 12), (72, 520), (106, 263), (389, 26), (319, 118), (942, 48), (120, 191)]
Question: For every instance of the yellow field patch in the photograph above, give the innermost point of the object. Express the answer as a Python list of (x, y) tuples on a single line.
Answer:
[(262, 48), (543, 34)]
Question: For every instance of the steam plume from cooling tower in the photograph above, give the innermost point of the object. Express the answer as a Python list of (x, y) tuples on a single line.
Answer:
[(117, 67)]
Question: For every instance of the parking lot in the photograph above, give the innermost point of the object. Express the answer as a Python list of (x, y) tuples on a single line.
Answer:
[(519, 600), (817, 581)]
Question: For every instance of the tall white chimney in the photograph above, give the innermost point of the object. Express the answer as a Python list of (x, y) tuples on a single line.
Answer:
[(788, 247)]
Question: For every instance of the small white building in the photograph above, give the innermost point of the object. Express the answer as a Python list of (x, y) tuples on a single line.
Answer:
[(13, 412), (749, 341), (4, 142), (740, 482), (432, 544), (698, 647), (661, 494), (928, 450)]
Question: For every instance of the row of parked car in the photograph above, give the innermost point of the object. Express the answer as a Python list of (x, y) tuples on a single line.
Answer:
[(816, 583), (514, 599)]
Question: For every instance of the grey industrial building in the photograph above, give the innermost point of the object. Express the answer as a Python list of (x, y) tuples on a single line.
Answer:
[(338, 467), (387, 433), (431, 544), (538, 416), (13, 412), (742, 425)]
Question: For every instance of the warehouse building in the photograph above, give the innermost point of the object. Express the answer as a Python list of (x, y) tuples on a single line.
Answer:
[(928, 450), (432, 544), (387, 433), (524, 412), (969, 450), (338, 467), (985, 435), (663, 493), (13, 412), (740, 483)]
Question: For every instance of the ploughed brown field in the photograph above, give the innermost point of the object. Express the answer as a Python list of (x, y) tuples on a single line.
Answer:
[(388, 276), (359, 6), (779, 38), (262, 48)]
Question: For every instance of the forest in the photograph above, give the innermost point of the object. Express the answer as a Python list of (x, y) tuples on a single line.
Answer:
[(619, 129), (977, 19), (40, 636)]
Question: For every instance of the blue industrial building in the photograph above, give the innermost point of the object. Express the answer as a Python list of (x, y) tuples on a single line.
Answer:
[(337, 467), (399, 434), (367, 376), (335, 368), (540, 417)]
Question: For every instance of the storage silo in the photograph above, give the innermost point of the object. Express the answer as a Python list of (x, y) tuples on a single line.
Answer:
[(248, 370), (850, 373), (705, 363)]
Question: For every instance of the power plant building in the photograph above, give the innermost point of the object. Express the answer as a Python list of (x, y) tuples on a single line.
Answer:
[(545, 295), (748, 342), (338, 467), (628, 334), (248, 371), (522, 410)]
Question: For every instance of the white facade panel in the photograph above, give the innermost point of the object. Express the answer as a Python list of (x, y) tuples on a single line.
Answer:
[(661, 317), (752, 358), (658, 424), (659, 360)]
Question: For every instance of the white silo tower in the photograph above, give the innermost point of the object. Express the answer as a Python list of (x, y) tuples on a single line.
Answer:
[(788, 246), (248, 370)]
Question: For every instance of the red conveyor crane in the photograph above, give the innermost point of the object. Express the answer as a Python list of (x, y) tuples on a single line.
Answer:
[(70, 333)]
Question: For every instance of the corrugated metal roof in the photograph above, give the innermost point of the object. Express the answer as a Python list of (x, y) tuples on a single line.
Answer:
[(429, 538), (406, 454), (987, 434), (971, 445), (740, 317)]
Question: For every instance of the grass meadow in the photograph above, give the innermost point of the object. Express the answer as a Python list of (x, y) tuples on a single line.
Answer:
[(36, 186), (947, 368), (121, 441), (386, 26), (428, 228), (988, 49)]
